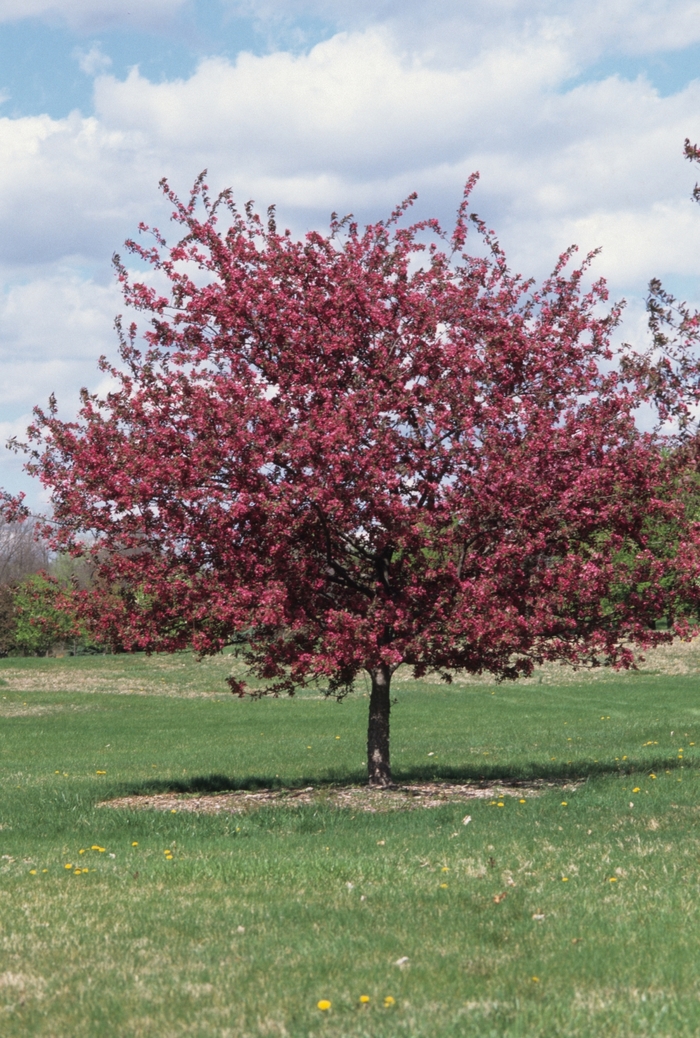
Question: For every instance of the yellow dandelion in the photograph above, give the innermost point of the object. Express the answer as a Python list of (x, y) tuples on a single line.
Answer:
[(81, 851), (535, 980), (135, 843), (565, 879), (337, 736), (499, 804), (443, 886), (78, 872), (32, 872), (67, 866), (522, 800), (364, 999), (565, 803), (613, 879), (44, 870), (100, 772), (173, 810), (96, 848), (652, 776), (86, 870), (389, 1001), (58, 772), (636, 789), (323, 1005)]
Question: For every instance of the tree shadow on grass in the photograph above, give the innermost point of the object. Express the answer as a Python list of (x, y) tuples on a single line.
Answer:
[(526, 773)]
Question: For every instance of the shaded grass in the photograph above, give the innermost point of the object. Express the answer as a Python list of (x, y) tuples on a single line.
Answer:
[(142, 945)]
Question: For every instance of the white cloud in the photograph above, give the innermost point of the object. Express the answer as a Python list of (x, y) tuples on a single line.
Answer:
[(93, 61), (53, 327), (358, 122), (68, 186), (353, 104), (585, 28)]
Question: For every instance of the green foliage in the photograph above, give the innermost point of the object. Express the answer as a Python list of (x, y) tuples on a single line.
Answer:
[(41, 618), (7, 620)]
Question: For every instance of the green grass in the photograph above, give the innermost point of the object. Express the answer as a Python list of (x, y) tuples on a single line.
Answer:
[(143, 946)]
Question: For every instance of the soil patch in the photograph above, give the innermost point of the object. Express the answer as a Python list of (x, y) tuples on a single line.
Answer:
[(358, 798)]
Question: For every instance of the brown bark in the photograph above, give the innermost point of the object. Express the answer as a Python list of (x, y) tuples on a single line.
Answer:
[(378, 762)]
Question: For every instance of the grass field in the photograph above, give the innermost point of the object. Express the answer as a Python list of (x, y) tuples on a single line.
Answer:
[(169, 924)]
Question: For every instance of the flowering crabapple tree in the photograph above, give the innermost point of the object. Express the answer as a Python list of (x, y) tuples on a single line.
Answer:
[(365, 450)]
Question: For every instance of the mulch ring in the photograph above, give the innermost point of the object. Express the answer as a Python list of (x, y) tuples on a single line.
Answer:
[(358, 798)]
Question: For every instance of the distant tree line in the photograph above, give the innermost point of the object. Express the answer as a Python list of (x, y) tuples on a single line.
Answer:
[(36, 587)]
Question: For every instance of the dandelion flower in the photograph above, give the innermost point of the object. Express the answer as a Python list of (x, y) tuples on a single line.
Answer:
[(78, 872), (32, 872), (445, 868), (337, 736), (67, 866), (364, 999), (173, 810), (443, 886), (652, 776), (565, 803), (565, 879), (44, 870), (636, 789), (522, 800), (323, 1005), (81, 851), (535, 980), (389, 1001), (613, 879), (135, 843), (100, 772)]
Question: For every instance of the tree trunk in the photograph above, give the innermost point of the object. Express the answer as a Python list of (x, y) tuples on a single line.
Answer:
[(378, 764)]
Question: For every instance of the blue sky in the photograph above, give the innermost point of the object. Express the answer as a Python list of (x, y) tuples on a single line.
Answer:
[(573, 112)]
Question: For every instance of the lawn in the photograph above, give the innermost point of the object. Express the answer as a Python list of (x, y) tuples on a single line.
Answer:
[(153, 923)]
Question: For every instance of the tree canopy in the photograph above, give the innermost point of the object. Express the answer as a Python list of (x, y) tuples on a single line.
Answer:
[(373, 448)]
